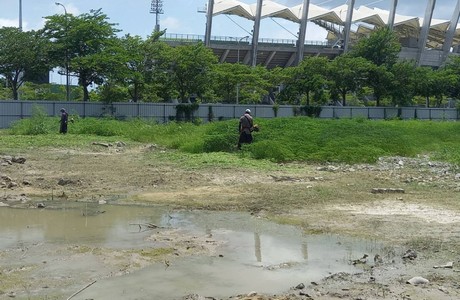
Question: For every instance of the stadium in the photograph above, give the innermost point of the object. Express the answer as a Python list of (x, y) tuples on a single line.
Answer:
[(427, 41)]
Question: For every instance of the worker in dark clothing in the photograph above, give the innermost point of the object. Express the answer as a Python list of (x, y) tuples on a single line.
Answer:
[(246, 127), (64, 120)]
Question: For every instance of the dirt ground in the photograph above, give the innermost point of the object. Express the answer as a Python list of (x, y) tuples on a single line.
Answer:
[(408, 204)]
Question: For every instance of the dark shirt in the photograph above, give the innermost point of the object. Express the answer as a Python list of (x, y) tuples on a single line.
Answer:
[(64, 117), (246, 123)]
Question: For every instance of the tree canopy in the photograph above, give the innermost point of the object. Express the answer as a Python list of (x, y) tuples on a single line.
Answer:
[(85, 44), (110, 67), (23, 54)]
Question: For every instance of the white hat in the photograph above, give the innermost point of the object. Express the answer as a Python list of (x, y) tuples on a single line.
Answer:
[(248, 111)]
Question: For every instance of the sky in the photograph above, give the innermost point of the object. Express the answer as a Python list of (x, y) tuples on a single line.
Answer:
[(183, 16)]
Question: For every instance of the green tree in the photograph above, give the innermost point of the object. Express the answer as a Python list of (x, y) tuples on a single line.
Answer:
[(132, 74), (403, 84), (348, 74), (380, 80), (257, 85), (159, 77), (310, 77), (190, 67), (381, 47), (278, 78), (453, 67), (229, 80), (141, 64), (433, 83), (443, 81), (23, 54), (88, 43)]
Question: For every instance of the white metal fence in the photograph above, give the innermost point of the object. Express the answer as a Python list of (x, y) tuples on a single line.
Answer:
[(11, 111)]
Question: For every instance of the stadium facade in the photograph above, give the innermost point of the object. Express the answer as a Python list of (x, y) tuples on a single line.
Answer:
[(426, 40)]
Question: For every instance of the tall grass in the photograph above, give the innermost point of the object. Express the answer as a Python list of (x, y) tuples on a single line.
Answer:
[(280, 139)]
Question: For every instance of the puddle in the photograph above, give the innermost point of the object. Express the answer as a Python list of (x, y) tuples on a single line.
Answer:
[(76, 223), (256, 255)]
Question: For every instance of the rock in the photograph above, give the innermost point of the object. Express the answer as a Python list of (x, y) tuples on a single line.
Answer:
[(194, 297), (300, 286), (7, 158), (378, 259), (252, 294), (387, 191), (12, 184), (101, 144), (410, 254), (3, 204), (64, 181), (329, 168), (457, 176), (41, 205), (449, 265), (303, 293), (19, 160), (361, 260), (417, 280), (151, 147), (26, 182), (6, 178)]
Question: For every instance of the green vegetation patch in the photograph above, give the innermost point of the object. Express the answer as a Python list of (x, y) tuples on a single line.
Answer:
[(279, 140)]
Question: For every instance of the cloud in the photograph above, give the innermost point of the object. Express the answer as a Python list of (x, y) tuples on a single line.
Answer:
[(69, 7), (171, 23), (72, 9), (9, 22)]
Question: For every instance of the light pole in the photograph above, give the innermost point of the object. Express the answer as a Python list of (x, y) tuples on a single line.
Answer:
[(20, 15), (67, 75), (157, 9)]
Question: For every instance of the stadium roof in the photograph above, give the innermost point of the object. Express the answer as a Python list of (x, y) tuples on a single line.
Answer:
[(365, 18)]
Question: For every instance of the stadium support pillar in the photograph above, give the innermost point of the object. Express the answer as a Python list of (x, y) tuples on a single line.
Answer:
[(391, 17), (346, 39), (425, 29), (450, 33), (255, 33), (303, 31), (207, 36)]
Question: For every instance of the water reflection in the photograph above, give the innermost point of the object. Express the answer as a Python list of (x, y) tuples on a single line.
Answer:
[(93, 224), (257, 254)]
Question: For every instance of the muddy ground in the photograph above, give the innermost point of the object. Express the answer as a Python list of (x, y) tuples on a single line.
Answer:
[(408, 204)]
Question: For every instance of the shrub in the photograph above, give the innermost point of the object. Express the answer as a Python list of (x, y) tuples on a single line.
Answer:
[(219, 143), (272, 151), (39, 123)]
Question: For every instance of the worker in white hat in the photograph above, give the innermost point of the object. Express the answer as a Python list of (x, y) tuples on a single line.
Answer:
[(246, 127)]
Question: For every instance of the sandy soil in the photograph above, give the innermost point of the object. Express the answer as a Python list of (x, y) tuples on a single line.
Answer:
[(407, 204)]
